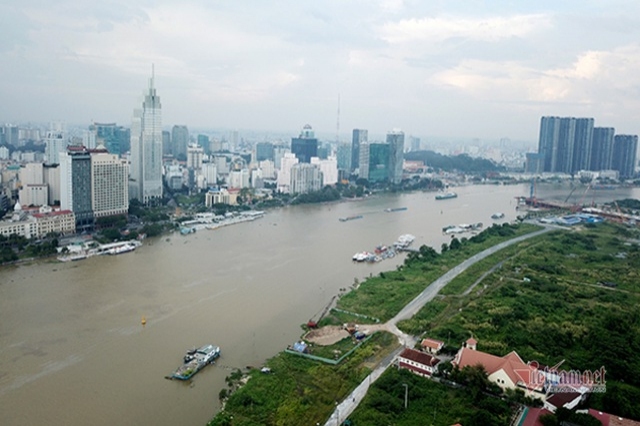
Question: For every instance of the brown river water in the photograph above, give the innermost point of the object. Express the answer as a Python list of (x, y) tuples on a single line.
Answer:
[(73, 350)]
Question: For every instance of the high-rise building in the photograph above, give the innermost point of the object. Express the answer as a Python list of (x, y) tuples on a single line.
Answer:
[(363, 160), (359, 137), (109, 184), (548, 142), (602, 148), (278, 153), (195, 154), (210, 173), (395, 139), (56, 141), (113, 137), (264, 151), (166, 142), (76, 185), (329, 169), (344, 157), (146, 148), (566, 139), (380, 162), (52, 179), (284, 172), (582, 145), (305, 178), (305, 146), (625, 148), (179, 141)]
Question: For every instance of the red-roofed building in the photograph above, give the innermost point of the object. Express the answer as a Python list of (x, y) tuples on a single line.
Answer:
[(418, 362), (432, 346), (533, 416), (568, 400), (611, 420), (508, 372)]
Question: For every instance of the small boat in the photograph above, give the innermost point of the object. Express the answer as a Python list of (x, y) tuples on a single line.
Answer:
[(344, 219), (497, 216), (446, 195), (395, 209)]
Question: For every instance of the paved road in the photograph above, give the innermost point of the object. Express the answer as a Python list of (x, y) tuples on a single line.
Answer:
[(349, 404)]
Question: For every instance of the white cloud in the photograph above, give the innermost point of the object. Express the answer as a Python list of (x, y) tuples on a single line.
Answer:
[(437, 29)]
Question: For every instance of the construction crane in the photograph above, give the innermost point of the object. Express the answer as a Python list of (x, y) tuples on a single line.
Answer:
[(578, 206), (570, 194), (314, 323)]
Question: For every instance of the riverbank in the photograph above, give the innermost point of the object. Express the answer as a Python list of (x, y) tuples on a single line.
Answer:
[(387, 302)]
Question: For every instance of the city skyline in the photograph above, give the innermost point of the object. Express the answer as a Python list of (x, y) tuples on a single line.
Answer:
[(470, 70)]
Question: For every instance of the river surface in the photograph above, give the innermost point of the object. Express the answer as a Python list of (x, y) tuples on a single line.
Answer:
[(73, 350)]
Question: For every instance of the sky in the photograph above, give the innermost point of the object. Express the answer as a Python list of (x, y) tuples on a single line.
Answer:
[(468, 69)]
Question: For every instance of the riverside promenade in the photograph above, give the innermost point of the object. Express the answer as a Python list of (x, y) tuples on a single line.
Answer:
[(349, 404)]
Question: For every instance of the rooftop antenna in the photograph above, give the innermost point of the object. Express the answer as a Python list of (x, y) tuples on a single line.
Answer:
[(153, 75)]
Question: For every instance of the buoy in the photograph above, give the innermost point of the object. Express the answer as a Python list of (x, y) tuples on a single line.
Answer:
[(144, 321)]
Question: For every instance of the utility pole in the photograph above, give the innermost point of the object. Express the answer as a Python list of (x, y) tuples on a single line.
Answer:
[(406, 394)]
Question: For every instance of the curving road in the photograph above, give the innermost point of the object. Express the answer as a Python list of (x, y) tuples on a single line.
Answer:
[(349, 404)]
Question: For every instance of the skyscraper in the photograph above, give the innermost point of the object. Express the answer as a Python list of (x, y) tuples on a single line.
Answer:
[(548, 142), (395, 139), (582, 145), (602, 148), (379, 162), (305, 146), (625, 148), (146, 148), (359, 136), (264, 151), (179, 141), (76, 184)]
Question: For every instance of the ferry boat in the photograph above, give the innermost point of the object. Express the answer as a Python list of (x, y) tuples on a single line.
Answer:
[(126, 248), (344, 219), (194, 361), (446, 196)]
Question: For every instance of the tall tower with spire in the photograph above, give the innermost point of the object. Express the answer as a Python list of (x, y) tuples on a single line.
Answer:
[(145, 181)]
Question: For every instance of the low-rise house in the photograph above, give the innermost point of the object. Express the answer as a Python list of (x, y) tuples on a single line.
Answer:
[(432, 346), (418, 362)]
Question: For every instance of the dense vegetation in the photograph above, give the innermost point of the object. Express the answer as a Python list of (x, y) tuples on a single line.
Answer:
[(15, 247), (461, 163), (299, 391), (383, 296), (430, 403), (547, 303)]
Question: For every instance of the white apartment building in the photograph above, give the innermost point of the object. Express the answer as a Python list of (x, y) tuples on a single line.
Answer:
[(109, 185), (210, 173), (284, 174), (239, 179), (305, 178), (195, 154), (329, 169), (268, 168), (34, 195)]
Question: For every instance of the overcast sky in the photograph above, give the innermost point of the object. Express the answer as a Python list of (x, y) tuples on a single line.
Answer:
[(486, 69)]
